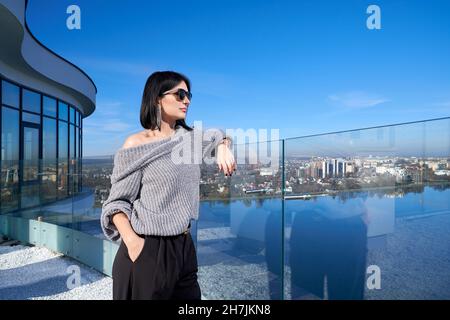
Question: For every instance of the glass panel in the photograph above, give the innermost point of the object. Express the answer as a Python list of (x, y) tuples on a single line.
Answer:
[(77, 118), (63, 111), (63, 159), (30, 153), (31, 101), (81, 144), (49, 177), (49, 180), (72, 115), (63, 139), (63, 172), (87, 206), (10, 94), (368, 211), (49, 139), (29, 117), (77, 143), (72, 161), (72, 141), (239, 232), (29, 196), (10, 134), (49, 106), (10, 195), (10, 160)]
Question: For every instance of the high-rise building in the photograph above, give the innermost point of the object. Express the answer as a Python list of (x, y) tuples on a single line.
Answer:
[(44, 99)]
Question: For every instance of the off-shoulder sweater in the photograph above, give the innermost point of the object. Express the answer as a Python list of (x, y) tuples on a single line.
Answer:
[(156, 184)]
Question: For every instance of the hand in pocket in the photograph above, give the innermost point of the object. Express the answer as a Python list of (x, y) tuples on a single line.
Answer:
[(135, 248)]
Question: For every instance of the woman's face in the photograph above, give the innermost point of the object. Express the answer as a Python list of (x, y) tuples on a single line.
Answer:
[(172, 106)]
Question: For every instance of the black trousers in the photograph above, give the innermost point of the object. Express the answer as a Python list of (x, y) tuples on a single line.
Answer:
[(165, 269)]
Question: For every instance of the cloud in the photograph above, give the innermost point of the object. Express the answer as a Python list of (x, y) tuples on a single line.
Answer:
[(114, 65), (357, 99), (107, 126), (109, 109)]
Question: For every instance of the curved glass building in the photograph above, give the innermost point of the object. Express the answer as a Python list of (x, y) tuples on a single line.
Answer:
[(44, 99)]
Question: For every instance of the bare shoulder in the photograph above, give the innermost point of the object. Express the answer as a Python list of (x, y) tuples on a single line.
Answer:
[(133, 140), (139, 138)]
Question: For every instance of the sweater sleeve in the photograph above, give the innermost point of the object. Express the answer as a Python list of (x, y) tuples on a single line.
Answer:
[(211, 139), (121, 197)]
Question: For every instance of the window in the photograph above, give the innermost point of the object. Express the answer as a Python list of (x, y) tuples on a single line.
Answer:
[(10, 134), (10, 94), (49, 106), (31, 101), (77, 118), (63, 111), (79, 144), (49, 139), (30, 117), (72, 141), (72, 115), (62, 139)]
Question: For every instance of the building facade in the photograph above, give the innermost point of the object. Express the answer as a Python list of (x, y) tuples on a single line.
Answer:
[(44, 99)]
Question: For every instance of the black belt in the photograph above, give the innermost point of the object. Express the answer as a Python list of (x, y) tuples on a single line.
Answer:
[(185, 232)]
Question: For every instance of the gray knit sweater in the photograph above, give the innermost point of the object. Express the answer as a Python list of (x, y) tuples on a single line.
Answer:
[(158, 192)]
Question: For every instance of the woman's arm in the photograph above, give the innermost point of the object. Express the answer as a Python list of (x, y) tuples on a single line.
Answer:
[(117, 210), (132, 241), (225, 157)]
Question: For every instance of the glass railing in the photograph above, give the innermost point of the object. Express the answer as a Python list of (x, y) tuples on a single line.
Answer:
[(55, 204), (364, 214), (239, 232), (360, 214), (367, 213)]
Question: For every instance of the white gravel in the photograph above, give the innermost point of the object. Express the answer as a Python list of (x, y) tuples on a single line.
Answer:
[(38, 273)]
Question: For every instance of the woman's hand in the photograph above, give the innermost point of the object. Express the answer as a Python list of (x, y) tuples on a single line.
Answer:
[(225, 159), (135, 245)]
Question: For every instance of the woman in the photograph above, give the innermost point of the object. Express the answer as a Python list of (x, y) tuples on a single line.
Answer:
[(154, 195)]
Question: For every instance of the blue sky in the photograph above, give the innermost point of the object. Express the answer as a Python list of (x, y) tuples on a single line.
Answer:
[(302, 67)]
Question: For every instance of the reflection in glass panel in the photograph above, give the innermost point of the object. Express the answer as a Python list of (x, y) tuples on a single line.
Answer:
[(62, 140), (48, 184), (348, 224), (49, 177), (10, 134), (63, 112), (49, 139), (72, 162), (72, 115), (95, 188), (10, 94), (10, 197), (72, 141), (63, 175), (242, 236), (77, 118), (29, 195), (10, 160), (80, 148), (31, 101), (30, 153), (77, 143), (49, 106), (29, 117)]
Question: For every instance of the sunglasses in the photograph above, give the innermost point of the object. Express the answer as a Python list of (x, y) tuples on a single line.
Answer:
[(181, 94)]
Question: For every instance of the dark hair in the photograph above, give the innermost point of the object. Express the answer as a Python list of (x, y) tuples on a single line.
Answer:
[(157, 83)]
